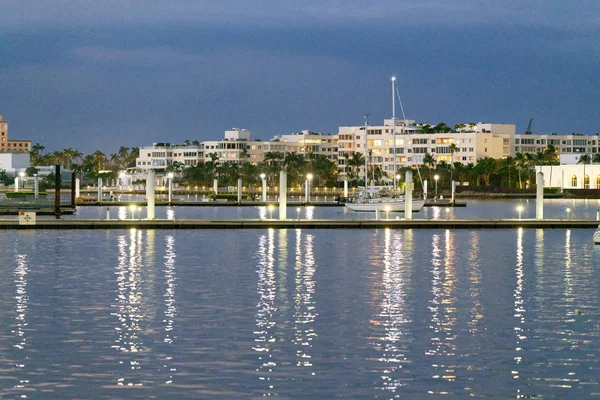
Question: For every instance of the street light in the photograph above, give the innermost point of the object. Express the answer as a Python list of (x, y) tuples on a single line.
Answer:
[(264, 187), (520, 210), (22, 175), (569, 214), (170, 176), (436, 177), (308, 178)]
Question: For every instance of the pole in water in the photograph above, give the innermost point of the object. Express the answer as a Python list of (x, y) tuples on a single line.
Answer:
[(107, 213)]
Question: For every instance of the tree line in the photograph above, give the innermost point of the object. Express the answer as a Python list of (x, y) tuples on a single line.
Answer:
[(511, 172)]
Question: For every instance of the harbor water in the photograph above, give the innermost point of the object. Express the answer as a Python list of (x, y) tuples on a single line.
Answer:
[(299, 314)]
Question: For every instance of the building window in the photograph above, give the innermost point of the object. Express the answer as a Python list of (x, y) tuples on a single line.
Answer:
[(586, 181), (574, 181)]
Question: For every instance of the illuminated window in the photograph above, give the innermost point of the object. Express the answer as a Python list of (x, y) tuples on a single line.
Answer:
[(586, 182), (574, 181)]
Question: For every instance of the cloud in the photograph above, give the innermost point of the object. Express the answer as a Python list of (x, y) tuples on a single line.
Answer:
[(28, 14)]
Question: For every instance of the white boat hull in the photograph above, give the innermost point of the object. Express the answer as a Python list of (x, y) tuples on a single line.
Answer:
[(597, 237), (385, 206)]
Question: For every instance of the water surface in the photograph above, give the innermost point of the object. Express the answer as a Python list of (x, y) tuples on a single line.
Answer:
[(299, 314)]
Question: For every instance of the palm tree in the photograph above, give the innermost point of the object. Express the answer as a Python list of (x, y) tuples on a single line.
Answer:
[(355, 161), (429, 162), (35, 153), (584, 159), (452, 151), (551, 157)]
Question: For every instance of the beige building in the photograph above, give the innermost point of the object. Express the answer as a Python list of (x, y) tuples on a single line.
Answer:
[(472, 143), (11, 146)]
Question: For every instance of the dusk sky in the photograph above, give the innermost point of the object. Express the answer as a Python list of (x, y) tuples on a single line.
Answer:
[(100, 74)]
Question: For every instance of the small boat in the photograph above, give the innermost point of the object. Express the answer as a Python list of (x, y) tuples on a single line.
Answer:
[(596, 236), (397, 204)]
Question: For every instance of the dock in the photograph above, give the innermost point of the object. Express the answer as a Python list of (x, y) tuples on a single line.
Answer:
[(179, 203), (199, 224)]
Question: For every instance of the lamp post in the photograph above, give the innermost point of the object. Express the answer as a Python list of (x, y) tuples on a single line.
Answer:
[(170, 176), (436, 177), (520, 210), (308, 179), (264, 187), (22, 180)]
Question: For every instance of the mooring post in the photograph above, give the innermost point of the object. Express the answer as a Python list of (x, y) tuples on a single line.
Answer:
[(57, 191)]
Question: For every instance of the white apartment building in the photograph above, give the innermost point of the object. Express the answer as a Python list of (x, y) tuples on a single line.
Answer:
[(237, 146), (161, 155), (472, 143), (310, 144), (575, 144)]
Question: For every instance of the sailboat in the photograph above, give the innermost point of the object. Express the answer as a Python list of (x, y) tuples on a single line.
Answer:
[(373, 200)]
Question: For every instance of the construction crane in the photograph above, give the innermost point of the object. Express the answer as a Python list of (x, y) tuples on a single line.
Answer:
[(528, 131)]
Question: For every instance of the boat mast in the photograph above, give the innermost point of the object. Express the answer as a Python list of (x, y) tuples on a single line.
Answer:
[(366, 154), (394, 130)]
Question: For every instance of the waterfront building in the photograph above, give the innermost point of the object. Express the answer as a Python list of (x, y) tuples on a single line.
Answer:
[(311, 144), (574, 143), (14, 154), (571, 176), (11, 146), (472, 142), (161, 155)]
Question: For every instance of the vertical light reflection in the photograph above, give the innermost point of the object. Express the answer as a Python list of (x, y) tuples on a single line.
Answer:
[(519, 307), (129, 302), (122, 213), (304, 304), (262, 212), (434, 303), (170, 303), (448, 300), (21, 305), (569, 299), (476, 311), (310, 212), (443, 308), (265, 310), (393, 314), (170, 213)]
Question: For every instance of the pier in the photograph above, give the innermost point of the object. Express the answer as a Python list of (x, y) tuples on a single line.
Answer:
[(303, 224)]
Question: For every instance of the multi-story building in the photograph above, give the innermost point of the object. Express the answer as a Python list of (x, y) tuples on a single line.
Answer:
[(310, 144), (575, 143), (14, 154), (161, 155), (472, 143), (11, 146)]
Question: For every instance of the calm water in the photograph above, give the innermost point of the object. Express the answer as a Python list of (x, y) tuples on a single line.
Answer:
[(299, 314)]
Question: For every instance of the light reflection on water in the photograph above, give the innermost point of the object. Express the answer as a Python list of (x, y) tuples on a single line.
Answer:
[(299, 314)]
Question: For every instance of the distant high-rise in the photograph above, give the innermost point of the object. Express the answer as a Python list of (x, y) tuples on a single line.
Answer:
[(11, 146)]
